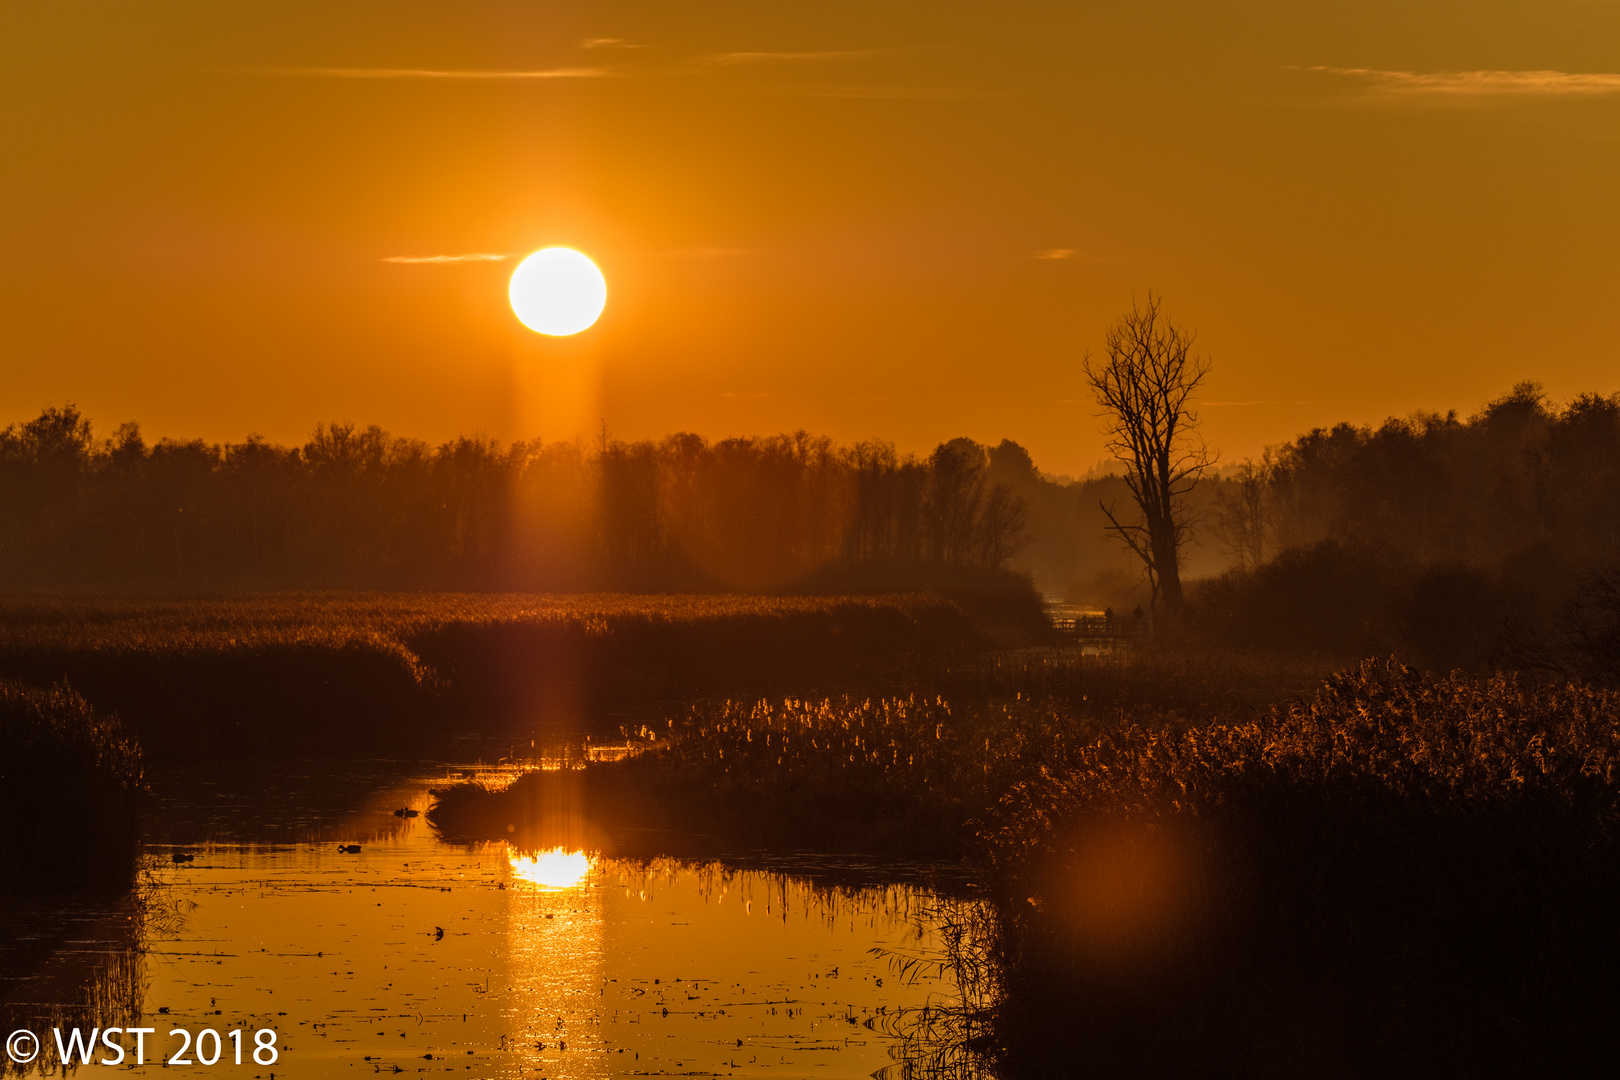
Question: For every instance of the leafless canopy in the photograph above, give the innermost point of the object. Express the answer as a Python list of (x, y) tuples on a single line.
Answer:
[(1144, 387)]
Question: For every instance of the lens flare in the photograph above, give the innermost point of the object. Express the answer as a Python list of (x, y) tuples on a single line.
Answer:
[(557, 868)]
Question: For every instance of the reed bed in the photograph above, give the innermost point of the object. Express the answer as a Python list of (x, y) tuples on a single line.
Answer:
[(1399, 876), (78, 962), (71, 780), (356, 671), (1152, 683), (897, 775), (906, 773), (147, 624)]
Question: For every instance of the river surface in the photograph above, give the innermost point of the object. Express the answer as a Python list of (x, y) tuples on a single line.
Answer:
[(414, 955)]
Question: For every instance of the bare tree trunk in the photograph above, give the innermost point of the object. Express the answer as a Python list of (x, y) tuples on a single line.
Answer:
[(1144, 388)]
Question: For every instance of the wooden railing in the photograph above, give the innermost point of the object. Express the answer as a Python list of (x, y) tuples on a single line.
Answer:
[(1101, 626)]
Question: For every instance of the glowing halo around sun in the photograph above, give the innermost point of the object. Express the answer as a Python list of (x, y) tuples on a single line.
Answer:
[(557, 291)]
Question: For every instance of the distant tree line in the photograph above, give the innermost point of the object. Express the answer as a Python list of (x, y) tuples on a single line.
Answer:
[(1472, 541), (1522, 478), (357, 507)]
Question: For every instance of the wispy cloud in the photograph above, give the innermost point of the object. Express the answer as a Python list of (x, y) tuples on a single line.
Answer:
[(1478, 84), (1055, 253), (732, 58), (1258, 401), (475, 256), (714, 63), (449, 74)]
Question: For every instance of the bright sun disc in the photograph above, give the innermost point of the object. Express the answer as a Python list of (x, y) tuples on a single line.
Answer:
[(557, 291), (558, 868)]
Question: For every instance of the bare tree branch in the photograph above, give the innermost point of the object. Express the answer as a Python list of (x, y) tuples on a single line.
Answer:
[(1145, 387)]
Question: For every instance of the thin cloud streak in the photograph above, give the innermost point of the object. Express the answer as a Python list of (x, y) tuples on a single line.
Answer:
[(1055, 253), (609, 43), (732, 58), (715, 63), (1478, 84), (476, 256), (1240, 404), (427, 73)]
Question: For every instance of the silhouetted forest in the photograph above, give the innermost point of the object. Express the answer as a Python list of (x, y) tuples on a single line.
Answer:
[(1461, 542), (1458, 542), (357, 507)]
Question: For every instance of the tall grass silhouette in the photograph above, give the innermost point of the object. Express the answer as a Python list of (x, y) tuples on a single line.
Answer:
[(71, 780)]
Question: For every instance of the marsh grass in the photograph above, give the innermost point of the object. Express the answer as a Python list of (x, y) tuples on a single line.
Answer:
[(905, 773), (76, 987), (79, 963), (1155, 684), (947, 1038), (71, 780), (1398, 876), (296, 672), (898, 776)]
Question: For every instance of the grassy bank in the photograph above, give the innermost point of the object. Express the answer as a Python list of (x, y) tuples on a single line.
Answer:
[(321, 671), (1397, 877), (70, 783)]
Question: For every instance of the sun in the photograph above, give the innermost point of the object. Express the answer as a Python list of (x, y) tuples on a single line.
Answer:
[(557, 291)]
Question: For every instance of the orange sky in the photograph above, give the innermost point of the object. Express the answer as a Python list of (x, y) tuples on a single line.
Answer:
[(828, 216)]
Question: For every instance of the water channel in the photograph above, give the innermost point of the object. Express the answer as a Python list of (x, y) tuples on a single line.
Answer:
[(418, 956)]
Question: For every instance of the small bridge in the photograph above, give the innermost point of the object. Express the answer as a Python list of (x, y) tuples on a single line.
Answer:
[(1101, 626), (1101, 630)]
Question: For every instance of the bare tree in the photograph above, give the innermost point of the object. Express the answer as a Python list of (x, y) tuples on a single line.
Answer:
[(1144, 387)]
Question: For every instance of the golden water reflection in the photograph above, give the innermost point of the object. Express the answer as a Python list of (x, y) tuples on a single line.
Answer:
[(414, 955), (557, 868)]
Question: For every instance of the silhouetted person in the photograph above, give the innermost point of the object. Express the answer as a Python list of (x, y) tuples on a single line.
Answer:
[(1108, 620)]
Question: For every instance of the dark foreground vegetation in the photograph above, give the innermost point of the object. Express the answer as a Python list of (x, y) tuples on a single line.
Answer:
[(1397, 875), (303, 673), (71, 780)]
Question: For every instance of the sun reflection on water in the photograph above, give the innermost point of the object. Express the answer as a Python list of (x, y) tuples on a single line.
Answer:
[(557, 868)]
